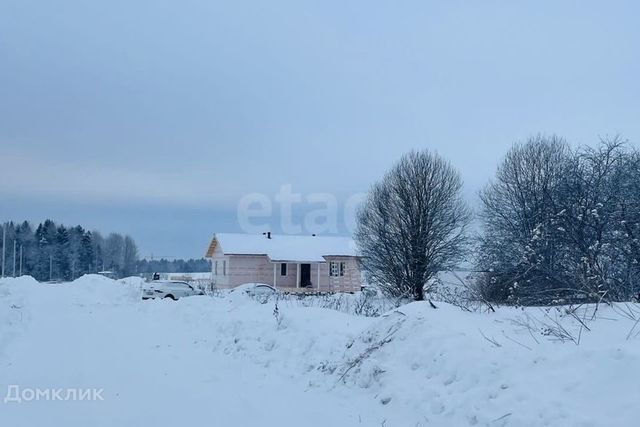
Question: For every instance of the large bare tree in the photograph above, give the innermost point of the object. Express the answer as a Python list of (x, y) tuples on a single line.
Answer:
[(562, 225), (412, 225), (519, 249)]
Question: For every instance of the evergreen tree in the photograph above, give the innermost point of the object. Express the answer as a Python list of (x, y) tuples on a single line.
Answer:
[(45, 237), (54, 252), (86, 256), (75, 240), (61, 257)]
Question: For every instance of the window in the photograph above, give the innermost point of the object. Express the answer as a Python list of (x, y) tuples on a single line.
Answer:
[(333, 268), (215, 268), (336, 268), (283, 269), (224, 268)]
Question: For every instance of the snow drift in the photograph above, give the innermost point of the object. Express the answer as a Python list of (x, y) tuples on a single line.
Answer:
[(230, 360)]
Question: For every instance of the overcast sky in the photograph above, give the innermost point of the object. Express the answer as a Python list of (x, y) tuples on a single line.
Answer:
[(154, 118)]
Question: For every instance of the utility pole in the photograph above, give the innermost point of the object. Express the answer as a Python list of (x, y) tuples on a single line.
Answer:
[(4, 239), (20, 260), (14, 257)]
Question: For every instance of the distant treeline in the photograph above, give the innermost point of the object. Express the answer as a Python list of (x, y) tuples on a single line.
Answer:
[(175, 266), (55, 252)]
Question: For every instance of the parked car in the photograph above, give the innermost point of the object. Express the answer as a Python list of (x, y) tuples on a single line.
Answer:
[(168, 289)]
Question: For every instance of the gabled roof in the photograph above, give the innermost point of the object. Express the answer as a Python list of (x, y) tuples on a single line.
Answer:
[(283, 247)]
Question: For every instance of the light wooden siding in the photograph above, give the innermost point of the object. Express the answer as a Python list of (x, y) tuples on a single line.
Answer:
[(220, 280), (352, 279), (291, 280), (324, 276), (288, 281), (249, 269), (258, 269)]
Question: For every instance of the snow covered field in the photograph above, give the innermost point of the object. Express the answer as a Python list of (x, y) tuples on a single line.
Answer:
[(229, 361)]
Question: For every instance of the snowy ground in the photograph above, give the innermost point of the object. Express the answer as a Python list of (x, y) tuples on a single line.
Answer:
[(228, 361)]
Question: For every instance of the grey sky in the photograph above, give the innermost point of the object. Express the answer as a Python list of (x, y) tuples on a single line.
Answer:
[(155, 117)]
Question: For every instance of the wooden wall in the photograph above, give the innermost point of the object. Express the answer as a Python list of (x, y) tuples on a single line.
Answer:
[(258, 269)]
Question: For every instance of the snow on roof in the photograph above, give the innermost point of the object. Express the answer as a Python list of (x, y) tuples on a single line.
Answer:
[(285, 247)]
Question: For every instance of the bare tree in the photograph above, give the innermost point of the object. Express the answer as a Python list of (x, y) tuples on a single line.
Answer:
[(601, 220), (519, 250), (412, 225), (113, 253), (562, 225), (129, 256)]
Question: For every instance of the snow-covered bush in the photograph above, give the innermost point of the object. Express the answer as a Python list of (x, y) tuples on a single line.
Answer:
[(562, 226), (360, 304)]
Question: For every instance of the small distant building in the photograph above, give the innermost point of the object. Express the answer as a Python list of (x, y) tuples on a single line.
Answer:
[(288, 263)]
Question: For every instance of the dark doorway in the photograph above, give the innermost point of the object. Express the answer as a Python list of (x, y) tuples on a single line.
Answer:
[(305, 275)]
